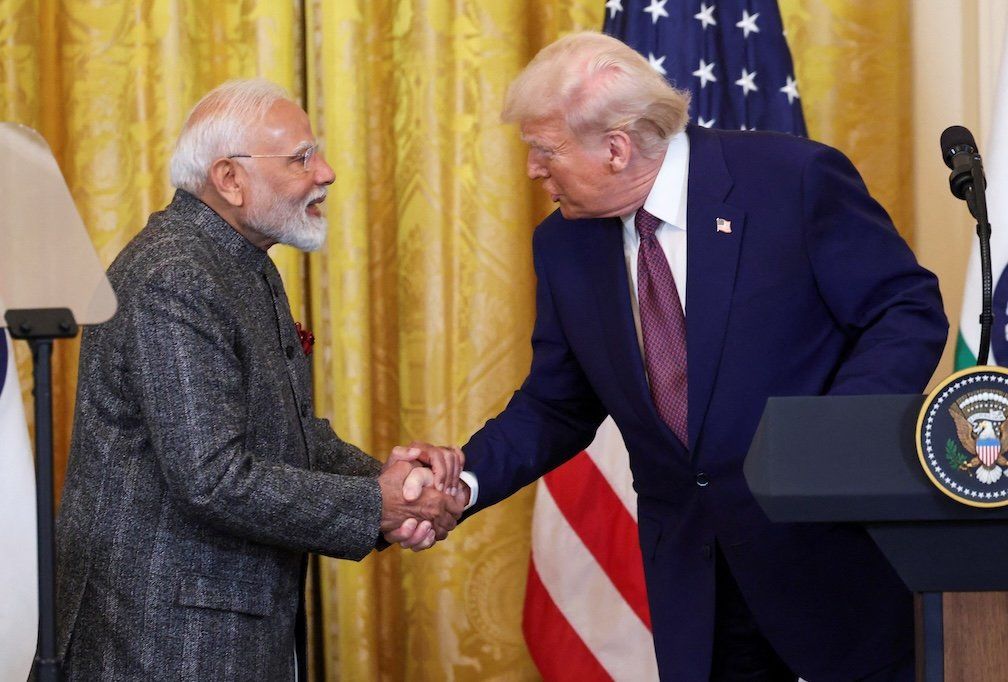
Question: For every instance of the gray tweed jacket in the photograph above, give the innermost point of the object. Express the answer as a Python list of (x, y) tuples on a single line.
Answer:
[(198, 475)]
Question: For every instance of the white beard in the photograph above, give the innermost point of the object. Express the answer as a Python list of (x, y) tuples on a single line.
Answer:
[(288, 222)]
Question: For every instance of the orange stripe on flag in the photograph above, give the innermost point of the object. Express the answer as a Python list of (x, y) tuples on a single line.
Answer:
[(555, 646), (603, 524)]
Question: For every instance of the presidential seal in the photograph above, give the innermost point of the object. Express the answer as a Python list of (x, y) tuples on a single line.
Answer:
[(962, 437)]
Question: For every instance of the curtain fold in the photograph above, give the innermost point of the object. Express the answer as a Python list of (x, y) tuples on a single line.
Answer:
[(422, 299)]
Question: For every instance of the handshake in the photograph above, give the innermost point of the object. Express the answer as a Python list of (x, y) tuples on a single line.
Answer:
[(422, 495)]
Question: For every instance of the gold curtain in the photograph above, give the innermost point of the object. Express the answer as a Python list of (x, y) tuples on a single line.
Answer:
[(424, 297), (422, 300), (853, 63)]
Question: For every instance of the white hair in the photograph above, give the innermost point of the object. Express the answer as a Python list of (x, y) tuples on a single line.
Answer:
[(218, 126), (597, 84)]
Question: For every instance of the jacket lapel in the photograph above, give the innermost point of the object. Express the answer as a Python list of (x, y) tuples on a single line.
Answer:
[(711, 263)]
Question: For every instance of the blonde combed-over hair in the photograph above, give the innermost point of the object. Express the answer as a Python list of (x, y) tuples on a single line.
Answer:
[(598, 84)]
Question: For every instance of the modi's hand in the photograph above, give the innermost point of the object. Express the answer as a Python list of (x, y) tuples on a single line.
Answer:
[(414, 513)]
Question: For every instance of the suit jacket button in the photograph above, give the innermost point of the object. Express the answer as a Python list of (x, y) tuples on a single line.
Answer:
[(702, 480), (304, 410), (289, 350)]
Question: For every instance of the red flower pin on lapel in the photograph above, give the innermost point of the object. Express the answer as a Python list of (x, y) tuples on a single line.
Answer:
[(307, 338)]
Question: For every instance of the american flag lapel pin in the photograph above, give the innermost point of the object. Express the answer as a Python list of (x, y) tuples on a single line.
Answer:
[(723, 225)]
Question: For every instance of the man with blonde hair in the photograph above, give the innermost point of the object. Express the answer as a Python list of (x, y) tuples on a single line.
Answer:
[(199, 476), (688, 275)]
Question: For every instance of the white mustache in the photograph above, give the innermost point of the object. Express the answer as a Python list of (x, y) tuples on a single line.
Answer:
[(320, 194)]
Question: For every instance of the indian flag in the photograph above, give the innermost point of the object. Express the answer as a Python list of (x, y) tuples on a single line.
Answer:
[(996, 170)]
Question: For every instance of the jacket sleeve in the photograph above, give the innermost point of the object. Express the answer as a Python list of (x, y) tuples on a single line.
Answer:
[(192, 399), (551, 418), (889, 307), (335, 455)]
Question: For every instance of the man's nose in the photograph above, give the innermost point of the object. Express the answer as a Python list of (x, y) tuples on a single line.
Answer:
[(324, 174)]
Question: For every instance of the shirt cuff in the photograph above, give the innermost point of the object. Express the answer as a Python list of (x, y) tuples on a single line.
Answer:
[(469, 478)]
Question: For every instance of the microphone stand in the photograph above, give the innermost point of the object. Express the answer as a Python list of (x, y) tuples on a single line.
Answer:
[(976, 200)]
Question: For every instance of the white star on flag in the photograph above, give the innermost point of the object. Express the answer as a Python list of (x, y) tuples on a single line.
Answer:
[(706, 15), (614, 6), (745, 81), (656, 64), (656, 9), (703, 123), (748, 23), (705, 72), (791, 90)]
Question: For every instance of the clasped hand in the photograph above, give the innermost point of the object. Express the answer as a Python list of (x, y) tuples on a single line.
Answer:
[(422, 496)]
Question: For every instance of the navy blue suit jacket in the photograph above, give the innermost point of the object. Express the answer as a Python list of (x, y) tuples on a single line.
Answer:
[(813, 292)]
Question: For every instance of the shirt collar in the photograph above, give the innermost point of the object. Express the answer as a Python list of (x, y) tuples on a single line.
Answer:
[(667, 199), (219, 231)]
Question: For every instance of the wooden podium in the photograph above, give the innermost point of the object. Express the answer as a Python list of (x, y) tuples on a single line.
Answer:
[(854, 459)]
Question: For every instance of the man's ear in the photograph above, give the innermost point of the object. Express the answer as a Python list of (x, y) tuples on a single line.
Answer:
[(620, 150), (228, 179)]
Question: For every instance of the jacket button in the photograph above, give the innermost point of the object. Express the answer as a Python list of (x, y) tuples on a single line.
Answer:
[(304, 410), (708, 551), (290, 352), (702, 480)]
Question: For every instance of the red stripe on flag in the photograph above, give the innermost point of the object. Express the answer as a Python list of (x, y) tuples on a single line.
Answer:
[(555, 646), (606, 528)]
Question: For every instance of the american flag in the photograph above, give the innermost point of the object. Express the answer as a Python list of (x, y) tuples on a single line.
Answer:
[(731, 54), (586, 614)]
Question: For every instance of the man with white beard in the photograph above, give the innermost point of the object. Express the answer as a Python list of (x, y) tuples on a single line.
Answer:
[(199, 478)]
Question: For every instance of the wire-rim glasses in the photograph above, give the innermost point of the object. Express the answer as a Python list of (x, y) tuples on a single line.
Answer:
[(305, 156)]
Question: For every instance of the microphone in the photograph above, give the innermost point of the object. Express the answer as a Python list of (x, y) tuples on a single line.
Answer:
[(959, 151), (967, 181)]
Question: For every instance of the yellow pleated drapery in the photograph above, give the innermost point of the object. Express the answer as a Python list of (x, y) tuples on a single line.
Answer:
[(422, 299)]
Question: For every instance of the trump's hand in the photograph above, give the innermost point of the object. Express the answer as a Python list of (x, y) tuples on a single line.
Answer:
[(421, 477), (446, 463)]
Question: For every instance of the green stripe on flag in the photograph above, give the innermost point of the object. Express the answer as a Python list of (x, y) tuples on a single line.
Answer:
[(963, 355)]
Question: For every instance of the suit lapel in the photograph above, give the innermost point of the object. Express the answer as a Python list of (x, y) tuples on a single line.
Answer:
[(711, 263)]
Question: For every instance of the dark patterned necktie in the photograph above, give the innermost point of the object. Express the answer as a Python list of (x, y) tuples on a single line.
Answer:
[(663, 327)]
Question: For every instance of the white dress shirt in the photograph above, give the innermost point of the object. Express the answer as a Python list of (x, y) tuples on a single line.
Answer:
[(667, 202)]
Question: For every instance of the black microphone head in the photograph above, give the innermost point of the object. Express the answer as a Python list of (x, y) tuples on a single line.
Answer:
[(956, 139)]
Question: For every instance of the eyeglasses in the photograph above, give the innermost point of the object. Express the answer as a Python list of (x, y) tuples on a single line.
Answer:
[(304, 157)]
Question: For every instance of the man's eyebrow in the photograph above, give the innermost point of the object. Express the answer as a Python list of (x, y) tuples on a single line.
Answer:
[(303, 145)]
